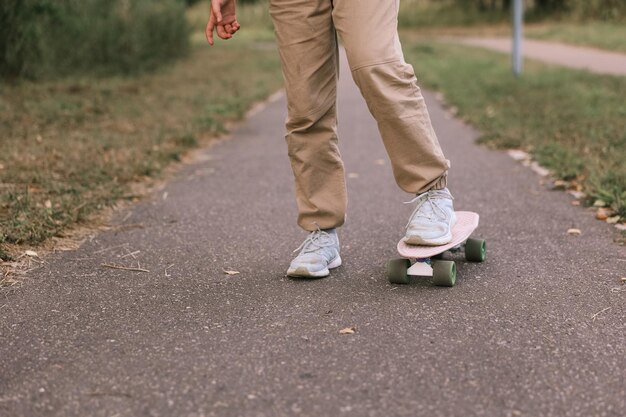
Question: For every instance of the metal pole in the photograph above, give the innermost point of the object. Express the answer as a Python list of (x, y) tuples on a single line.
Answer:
[(518, 17)]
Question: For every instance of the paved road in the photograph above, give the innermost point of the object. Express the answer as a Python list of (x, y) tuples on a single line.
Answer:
[(591, 59), (537, 330)]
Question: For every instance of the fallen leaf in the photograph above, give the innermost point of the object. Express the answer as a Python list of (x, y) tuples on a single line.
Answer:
[(560, 185), (575, 203), (602, 214), (31, 253), (48, 204), (623, 279), (613, 220), (575, 232), (577, 194), (599, 203), (621, 226), (229, 272), (518, 155), (348, 330)]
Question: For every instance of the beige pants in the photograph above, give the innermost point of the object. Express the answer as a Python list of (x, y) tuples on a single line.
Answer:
[(306, 34)]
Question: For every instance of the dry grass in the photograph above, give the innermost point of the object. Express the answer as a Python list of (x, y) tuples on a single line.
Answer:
[(75, 150), (72, 147)]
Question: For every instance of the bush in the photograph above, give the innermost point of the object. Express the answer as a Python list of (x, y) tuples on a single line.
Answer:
[(424, 13), (50, 38), (612, 10)]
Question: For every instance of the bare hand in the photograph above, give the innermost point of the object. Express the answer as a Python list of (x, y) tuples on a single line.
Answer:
[(222, 20)]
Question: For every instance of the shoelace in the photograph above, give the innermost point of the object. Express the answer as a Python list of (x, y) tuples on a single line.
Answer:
[(316, 240), (423, 199)]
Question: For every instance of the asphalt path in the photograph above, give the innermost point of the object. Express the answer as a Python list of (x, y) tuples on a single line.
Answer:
[(580, 57), (536, 330)]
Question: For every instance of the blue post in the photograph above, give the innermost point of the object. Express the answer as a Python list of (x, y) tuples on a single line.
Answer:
[(518, 18)]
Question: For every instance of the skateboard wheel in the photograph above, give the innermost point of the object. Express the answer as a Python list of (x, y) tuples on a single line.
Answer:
[(397, 271), (475, 250), (444, 273)]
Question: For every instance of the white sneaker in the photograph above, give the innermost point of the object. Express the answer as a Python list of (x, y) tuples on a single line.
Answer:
[(432, 220), (318, 254)]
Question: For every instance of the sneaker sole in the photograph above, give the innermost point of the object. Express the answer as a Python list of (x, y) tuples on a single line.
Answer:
[(418, 241), (302, 272)]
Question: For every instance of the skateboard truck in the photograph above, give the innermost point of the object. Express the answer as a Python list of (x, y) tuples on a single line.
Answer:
[(421, 268)]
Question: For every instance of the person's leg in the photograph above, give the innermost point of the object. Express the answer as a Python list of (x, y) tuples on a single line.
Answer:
[(368, 29), (308, 50)]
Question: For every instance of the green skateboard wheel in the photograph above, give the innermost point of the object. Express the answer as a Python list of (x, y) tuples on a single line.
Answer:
[(444, 273), (475, 250), (396, 271)]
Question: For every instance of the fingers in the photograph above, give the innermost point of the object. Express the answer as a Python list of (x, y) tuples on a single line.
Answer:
[(214, 19), (221, 32), (224, 27), (216, 8), (232, 28), (227, 30), (209, 31)]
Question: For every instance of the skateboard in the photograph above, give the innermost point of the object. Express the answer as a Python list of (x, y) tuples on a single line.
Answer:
[(427, 261)]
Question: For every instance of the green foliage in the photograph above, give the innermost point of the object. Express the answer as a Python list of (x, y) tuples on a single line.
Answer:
[(610, 187), (423, 14), (581, 9), (429, 13), (51, 38), (564, 162), (598, 34), (573, 122)]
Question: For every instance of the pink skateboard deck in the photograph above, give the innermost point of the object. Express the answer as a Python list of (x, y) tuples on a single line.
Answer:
[(466, 223), (416, 260)]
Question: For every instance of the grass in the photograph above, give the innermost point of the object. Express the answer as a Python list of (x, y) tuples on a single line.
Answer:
[(449, 19), (73, 146), (573, 122), (603, 35), (421, 14)]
